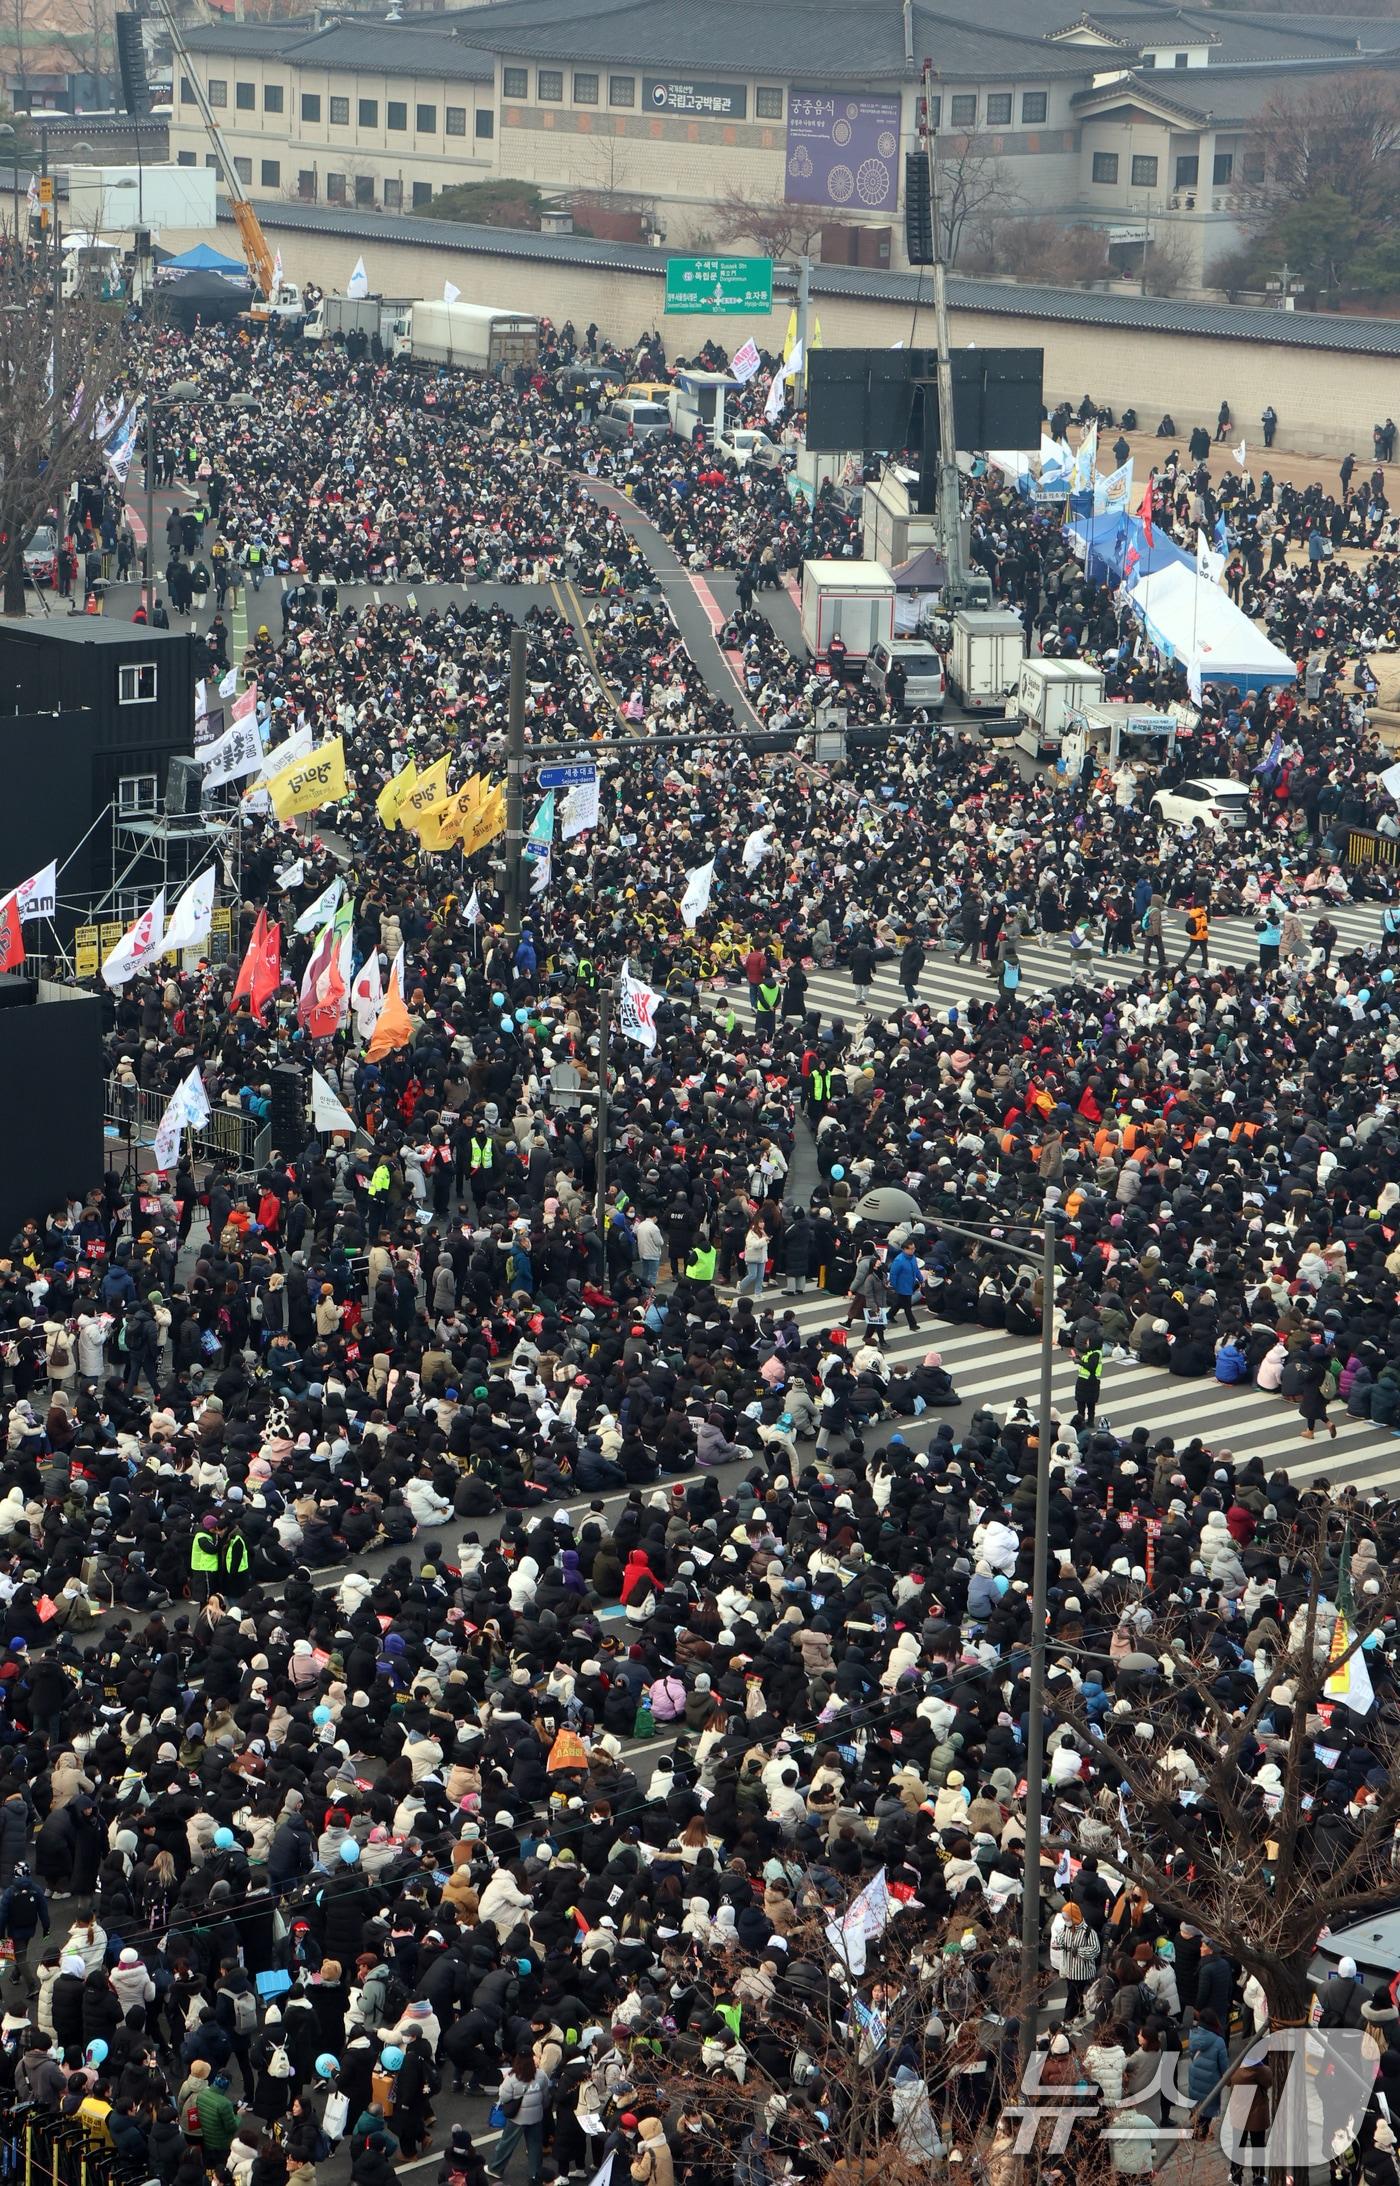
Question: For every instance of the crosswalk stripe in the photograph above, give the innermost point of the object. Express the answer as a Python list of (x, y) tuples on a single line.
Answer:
[(987, 1365), (1045, 961)]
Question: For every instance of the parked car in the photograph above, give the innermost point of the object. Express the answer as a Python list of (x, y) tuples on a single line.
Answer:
[(41, 556), (627, 419), (1213, 800), (746, 444), (924, 682)]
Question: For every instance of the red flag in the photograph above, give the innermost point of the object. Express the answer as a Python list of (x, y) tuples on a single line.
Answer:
[(321, 1003), (267, 971), (1148, 512), (244, 982), (11, 935)]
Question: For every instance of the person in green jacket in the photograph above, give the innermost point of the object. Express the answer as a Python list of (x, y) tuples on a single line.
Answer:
[(218, 2121)]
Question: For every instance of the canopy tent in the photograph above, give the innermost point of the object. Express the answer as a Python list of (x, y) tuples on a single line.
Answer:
[(206, 296), (205, 259), (918, 583), (1116, 548), (1194, 621)]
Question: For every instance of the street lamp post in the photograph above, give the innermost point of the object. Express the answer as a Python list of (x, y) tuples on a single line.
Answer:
[(178, 392)]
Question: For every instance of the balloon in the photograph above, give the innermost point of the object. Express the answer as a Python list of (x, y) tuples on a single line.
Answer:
[(350, 1852), (224, 1840), (837, 1172), (391, 2058), (327, 2066), (507, 1023), (96, 2053), (320, 1716), (498, 1001), (522, 1017), (1387, 978)]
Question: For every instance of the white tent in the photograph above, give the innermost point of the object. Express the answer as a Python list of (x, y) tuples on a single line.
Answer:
[(1195, 621)]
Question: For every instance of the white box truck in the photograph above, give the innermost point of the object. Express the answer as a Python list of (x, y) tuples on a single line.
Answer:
[(984, 663), (854, 598), (337, 316), (470, 337), (1047, 693)]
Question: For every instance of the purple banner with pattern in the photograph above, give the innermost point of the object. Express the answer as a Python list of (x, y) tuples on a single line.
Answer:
[(843, 150)]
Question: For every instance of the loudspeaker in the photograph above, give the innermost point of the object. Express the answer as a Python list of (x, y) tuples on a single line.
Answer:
[(184, 786), (288, 1117), (17, 992), (131, 60), (918, 210)]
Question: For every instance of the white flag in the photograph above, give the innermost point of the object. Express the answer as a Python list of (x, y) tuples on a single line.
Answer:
[(1210, 563), (276, 276), (367, 995), (636, 1014), (699, 886), (580, 809), (238, 752), (1238, 454), (229, 685), (773, 408), (1115, 490), (1085, 464), (1391, 780), (139, 947), (323, 909), (166, 1143), (189, 921), (38, 896), (746, 362), (757, 847), (1351, 1682), (450, 292), (867, 1915), (292, 876), (473, 908), (541, 868), (1193, 678), (191, 1100), (358, 283), (328, 1111), (792, 362)]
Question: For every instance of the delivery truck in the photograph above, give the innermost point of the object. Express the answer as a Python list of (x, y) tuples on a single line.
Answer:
[(984, 663), (855, 599), (469, 337), (335, 317), (1118, 732), (1047, 693)]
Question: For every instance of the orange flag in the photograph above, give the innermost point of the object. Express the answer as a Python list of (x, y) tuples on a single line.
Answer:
[(392, 1027), (252, 958), (567, 1752)]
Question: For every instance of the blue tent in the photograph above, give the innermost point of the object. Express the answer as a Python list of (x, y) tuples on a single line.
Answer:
[(1112, 539), (204, 259)]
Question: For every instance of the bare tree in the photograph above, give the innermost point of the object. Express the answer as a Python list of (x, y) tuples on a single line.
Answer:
[(52, 392), (1169, 260), (781, 230), (1260, 1870), (1038, 250), (973, 188), (1341, 134)]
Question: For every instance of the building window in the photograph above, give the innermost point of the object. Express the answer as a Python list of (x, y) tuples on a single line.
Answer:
[(622, 90), (186, 92), (1149, 60), (270, 177), (135, 792), (515, 83), (425, 121), (211, 159), (1224, 169), (184, 159), (998, 109), (272, 98), (216, 91), (936, 112), (396, 114), (306, 185), (585, 87), (245, 97), (364, 189), (1032, 106), (393, 197), (485, 122), (340, 113), (311, 106), (1144, 171), (1179, 60), (422, 194), (136, 686), (962, 109), (368, 111), (768, 103), (243, 168), (1105, 166), (549, 84), (1252, 167), (454, 121), (335, 189), (1188, 168)]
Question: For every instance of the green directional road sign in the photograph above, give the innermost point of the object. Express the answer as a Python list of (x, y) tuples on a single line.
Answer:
[(719, 284)]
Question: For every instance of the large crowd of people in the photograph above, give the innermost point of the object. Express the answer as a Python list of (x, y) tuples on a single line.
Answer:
[(456, 1643)]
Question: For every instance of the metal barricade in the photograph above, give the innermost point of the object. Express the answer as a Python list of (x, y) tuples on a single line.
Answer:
[(41, 2148), (229, 1136)]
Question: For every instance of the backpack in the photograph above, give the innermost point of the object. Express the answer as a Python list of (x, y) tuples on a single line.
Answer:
[(279, 2064), (245, 2009), (395, 1999)]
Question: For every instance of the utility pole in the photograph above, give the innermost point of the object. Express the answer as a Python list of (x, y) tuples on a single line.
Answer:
[(609, 1000), (949, 501), (1040, 1611), (804, 314), (515, 782)]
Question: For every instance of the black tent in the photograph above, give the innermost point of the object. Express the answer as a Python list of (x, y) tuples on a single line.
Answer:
[(205, 296)]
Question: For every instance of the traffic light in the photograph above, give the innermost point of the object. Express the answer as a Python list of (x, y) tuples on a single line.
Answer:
[(131, 60), (918, 210)]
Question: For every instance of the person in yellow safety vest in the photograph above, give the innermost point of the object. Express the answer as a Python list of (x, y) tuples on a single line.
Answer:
[(765, 1004), (379, 1181), (700, 1267), (818, 1089), (483, 1154), (204, 1559)]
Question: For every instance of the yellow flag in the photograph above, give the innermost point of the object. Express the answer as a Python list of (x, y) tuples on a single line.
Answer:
[(455, 818), (308, 783), (387, 803), (424, 795), (487, 824)]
